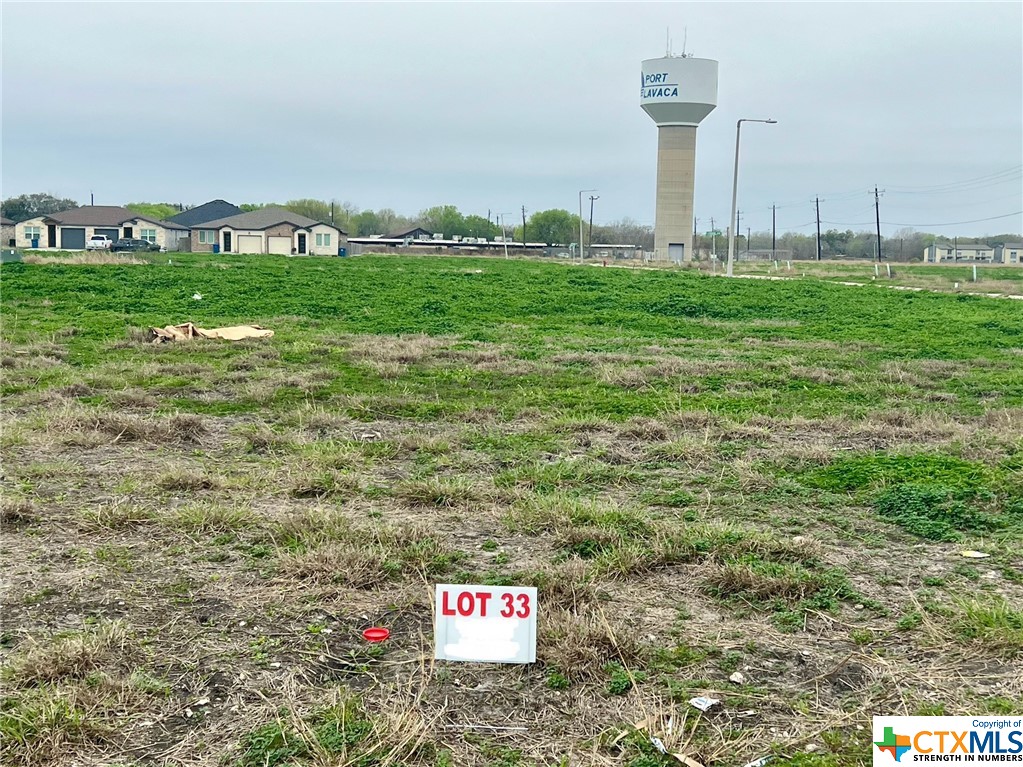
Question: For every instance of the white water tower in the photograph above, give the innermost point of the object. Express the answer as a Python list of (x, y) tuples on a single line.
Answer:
[(677, 92)]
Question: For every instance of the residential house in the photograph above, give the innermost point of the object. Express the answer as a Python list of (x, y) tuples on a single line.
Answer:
[(209, 211), (418, 233), (959, 251), (71, 229), (7, 232), (269, 230), (1010, 254)]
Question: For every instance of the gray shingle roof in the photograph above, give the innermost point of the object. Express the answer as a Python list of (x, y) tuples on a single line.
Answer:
[(6, 221), (414, 232), (103, 215), (263, 218), (210, 211)]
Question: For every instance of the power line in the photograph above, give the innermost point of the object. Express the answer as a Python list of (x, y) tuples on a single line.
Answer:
[(963, 189), (996, 178), (946, 223), (956, 223), (1013, 171)]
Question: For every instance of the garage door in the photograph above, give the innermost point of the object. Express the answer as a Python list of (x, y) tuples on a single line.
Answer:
[(279, 245), (72, 239), (250, 243), (111, 233)]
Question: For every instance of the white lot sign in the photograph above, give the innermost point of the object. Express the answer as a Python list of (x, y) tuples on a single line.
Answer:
[(490, 624)]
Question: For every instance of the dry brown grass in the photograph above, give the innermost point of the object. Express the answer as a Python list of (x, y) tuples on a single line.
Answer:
[(186, 479), (119, 515), (89, 257), (67, 657), (580, 644), (694, 452), (391, 350), (133, 399), (645, 429), (442, 492), (348, 563), (128, 427), (16, 512), (322, 483)]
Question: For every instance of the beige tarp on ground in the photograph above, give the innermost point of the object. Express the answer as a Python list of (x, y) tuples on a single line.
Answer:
[(188, 331)]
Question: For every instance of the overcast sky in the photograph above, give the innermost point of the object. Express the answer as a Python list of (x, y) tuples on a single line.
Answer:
[(499, 105)]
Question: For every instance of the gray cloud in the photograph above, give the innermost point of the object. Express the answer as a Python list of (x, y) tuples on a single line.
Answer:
[(494, 106)]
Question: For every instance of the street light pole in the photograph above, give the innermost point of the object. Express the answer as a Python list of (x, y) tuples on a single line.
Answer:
[(581, 193), (735, 190)]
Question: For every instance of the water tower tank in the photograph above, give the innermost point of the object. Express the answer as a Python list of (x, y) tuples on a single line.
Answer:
[(677, 93)]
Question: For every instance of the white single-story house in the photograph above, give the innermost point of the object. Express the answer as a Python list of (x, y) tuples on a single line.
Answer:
[(962, 251), (71, 229), (268, 230), (1010, 254)]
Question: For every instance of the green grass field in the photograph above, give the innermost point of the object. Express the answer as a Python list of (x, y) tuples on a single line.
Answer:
[(703, 477)]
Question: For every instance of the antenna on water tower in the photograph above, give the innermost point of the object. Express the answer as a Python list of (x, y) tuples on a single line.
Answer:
[(685, 39), (667, 42)]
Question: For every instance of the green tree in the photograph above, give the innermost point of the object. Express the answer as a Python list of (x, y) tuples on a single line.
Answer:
[(836, 242), (391, 222), (248, 207), (443, 219), (554, 227), (477, 226), (28, 206), (316, 209), (364, 224), (157, 210), (625, 232)]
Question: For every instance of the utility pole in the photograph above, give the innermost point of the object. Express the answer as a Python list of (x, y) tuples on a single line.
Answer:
[(92, 199), (589, 237), (877, 213), (818, 201), (774, 232), (713, 238), (523, 227), (332, 213), (747, 239)]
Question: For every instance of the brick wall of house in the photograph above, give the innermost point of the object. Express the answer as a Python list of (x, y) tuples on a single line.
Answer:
[(281, 230), (196, 246)]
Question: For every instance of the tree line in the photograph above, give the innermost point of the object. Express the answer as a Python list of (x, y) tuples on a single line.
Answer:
[(552, 227)]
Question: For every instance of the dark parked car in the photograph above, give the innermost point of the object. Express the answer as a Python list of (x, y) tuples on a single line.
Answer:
[(130, 243)]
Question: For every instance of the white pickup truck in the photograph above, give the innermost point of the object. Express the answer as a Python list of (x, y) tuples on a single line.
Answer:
[(99, 242)]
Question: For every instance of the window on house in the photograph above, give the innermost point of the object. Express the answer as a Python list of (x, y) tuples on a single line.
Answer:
[(323, 240), (207, 237), (149, 235), (33, 232)]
